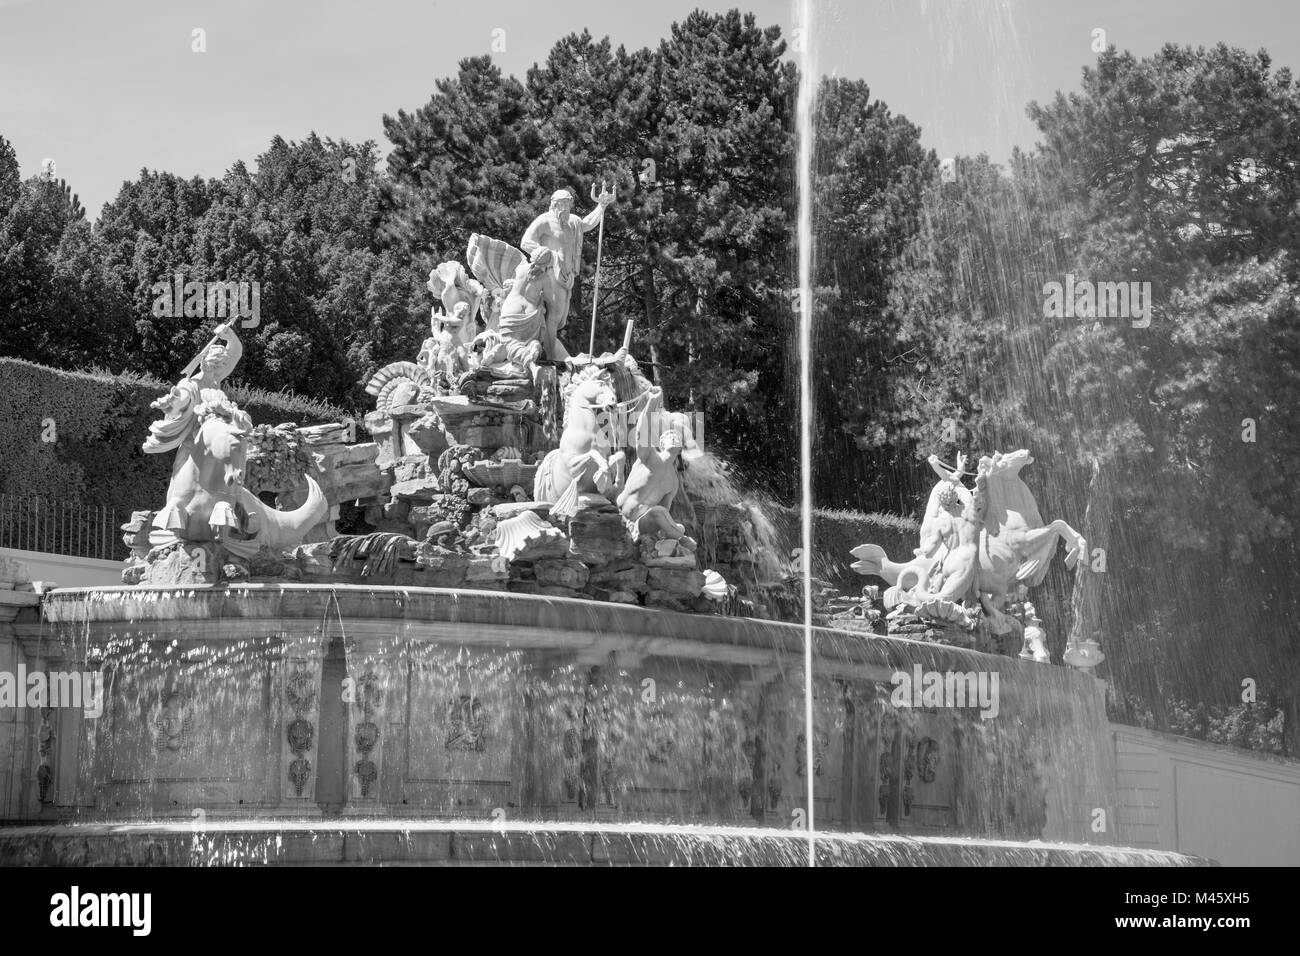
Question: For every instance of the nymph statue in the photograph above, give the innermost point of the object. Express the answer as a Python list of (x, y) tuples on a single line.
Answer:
[(443, 353), (526, 325)]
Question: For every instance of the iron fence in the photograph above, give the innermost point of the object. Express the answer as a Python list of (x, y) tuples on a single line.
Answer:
[(76, 528)]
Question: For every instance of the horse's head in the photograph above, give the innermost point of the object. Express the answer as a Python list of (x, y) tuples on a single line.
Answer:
[(1008, 464), (595, 394), (222, 443)]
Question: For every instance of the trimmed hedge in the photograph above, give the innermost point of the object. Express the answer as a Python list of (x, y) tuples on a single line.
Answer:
[(101, 420), (835, 533)]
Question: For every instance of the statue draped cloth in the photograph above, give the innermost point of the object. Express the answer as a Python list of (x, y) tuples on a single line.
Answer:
[(197, 394), (563, 236), (172, 431)]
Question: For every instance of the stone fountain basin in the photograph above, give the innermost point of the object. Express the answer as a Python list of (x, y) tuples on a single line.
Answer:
[(300, 701)]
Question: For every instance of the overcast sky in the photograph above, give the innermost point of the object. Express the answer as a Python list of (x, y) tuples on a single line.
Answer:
[(106, 87)]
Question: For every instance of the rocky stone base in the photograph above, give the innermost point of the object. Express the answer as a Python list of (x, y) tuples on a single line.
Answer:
[(457, 470), (594, 560), (181, 564)]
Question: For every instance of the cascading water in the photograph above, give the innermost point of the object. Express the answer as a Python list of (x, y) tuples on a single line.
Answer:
[(295, 723), (713, 503)]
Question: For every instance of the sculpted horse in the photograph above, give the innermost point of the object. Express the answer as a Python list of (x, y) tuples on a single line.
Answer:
[(975, 545), (1017, 545), (207, 486), (582, 463)]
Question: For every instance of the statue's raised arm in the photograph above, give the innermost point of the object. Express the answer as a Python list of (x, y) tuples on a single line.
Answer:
[(593, 218), (651, 416), (199, 383)]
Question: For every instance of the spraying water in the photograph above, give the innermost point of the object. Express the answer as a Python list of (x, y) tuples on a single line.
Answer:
[(804, 129)]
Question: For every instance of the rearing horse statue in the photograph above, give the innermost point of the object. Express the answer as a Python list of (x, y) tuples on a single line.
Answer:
[(975, 546), (582, 463)]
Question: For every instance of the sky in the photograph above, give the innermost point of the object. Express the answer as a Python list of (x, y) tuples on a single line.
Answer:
[(106, 88)]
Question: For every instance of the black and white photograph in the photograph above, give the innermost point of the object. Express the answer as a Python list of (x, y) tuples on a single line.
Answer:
[(830, 434)]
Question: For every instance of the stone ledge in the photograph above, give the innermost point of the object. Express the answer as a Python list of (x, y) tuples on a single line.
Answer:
[(12, 602), (287, 842)]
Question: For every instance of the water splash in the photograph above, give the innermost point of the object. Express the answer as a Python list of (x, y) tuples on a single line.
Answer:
[(805, 123), (281, 841)]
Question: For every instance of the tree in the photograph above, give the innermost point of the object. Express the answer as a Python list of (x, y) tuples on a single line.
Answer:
[(699, 249), (10, 177), (459, 164), (697, 137), (870, 175), (1176, 170), (56, 304), (333, 306)]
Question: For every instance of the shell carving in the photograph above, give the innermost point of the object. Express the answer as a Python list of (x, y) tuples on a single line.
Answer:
[(514, 533), (500, 474), (397, 384)]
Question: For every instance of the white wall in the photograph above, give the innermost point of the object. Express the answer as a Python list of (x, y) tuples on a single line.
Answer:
[(67, 571), (1239, 807)]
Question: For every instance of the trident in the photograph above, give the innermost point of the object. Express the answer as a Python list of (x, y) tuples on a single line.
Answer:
[(595, 292)]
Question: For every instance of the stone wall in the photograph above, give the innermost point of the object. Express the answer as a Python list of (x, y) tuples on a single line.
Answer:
[(19, 726), (1239, 807)]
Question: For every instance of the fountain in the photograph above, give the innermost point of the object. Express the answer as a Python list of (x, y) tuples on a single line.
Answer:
[(553, 642)]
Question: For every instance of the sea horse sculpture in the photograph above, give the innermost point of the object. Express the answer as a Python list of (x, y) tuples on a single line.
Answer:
[(582, 464), (206, 500), (975, 546)]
